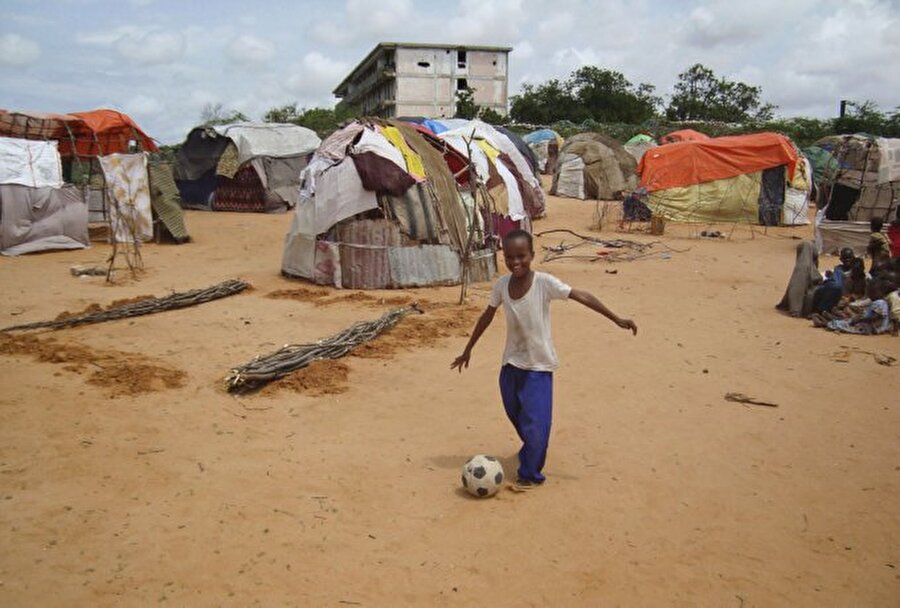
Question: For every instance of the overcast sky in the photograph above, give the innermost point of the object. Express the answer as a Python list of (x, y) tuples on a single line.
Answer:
[(162, 60)]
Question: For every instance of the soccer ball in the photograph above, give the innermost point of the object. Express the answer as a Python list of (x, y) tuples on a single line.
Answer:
[(482, 476)]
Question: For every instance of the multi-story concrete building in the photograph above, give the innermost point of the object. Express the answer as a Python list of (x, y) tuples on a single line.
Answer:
[(397, 79)]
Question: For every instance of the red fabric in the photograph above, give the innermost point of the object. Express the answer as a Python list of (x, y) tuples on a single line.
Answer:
[(893, 235), (95, 133), (244, 192), (687, 163), (683, 135)]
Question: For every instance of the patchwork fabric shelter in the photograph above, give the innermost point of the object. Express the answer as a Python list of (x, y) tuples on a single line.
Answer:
[(387, 204), (860, 182), (594, 166), (545, 145), (82, 134), (726, 179), (243, 166), (115, 142)]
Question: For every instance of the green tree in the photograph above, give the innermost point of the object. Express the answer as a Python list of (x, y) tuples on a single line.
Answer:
[(465, 104), (866, 117), (323, 121), (590, 93), (491, 116), (610, 97), (701, 95)]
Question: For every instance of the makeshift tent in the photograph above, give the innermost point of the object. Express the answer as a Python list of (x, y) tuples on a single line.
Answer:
[(82, 134), (822, 162), (639, 144), (380, 208), (595, 166), (507, 174), (864, 184), (683, 135), (37, 213), (85, 137), (726, 179), (243, 166), (545, 144)]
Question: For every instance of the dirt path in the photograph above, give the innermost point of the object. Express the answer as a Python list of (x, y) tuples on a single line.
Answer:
[(660, 492)]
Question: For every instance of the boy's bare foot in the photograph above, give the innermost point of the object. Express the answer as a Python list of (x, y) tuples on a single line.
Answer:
[(523, 485)]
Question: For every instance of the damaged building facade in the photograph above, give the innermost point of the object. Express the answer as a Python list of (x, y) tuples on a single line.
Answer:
[(397, 79)]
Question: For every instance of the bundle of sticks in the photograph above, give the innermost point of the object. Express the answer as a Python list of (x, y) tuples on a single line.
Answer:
[(291, 357), (612, 250), (142, 307)]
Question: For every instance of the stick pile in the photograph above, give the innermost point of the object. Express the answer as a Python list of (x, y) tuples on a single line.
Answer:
[(142, 307), (291, 357)]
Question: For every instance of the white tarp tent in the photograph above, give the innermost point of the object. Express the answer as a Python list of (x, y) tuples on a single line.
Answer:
[(275, 140)]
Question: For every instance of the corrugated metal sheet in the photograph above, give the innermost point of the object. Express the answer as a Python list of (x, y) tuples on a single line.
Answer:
[(423, 265), (482, 266), (363, 248)]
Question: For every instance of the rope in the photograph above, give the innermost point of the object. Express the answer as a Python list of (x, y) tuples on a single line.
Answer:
[(142, 307), (291, 357)]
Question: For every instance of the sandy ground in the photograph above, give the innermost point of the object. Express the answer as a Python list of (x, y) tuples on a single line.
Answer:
[(342, 488)]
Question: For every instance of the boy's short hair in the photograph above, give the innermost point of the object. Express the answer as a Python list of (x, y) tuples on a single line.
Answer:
[(518, 233), (876, 224)]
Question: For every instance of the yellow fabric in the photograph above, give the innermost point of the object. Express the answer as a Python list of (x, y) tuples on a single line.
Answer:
[(228, 162), (492, 152), (735, 199), (413, 161), (801, 179)]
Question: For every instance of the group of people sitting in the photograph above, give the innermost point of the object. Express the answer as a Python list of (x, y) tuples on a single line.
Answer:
[(846, 298)]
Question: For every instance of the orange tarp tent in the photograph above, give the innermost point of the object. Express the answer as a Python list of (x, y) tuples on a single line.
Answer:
[(687, 163), (93, 133), (683, 135)]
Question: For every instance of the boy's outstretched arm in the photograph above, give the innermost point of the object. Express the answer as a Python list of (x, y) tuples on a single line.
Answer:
[(589, 300), (483, 321)]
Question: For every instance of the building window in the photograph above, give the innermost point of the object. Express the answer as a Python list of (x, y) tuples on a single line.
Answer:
[(462, 84), (424, 64), (460, 59)]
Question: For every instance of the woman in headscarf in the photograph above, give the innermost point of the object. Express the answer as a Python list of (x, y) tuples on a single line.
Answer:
[(798, 297)]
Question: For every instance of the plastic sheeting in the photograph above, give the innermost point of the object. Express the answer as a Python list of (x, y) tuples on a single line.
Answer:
[(569, 178), (683, 164), (30, 163), (42, 219), (269, 139)]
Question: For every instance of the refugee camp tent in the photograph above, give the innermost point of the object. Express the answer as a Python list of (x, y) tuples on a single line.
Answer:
[(863, 183), (545, 144), (507, 173), (243, 166), (822, 162), (594, 166), (37, 211), (725, 179), (683, 135), (639, 144), (82, 134), (380, 208), (109, 146)]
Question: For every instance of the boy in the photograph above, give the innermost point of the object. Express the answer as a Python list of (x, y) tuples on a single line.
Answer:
[(526, 377)]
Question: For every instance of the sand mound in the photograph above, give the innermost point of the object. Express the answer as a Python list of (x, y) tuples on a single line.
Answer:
[(94, 307), (118, 373), (316, 379)]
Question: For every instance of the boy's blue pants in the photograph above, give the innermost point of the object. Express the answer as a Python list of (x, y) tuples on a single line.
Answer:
[(528, 400)]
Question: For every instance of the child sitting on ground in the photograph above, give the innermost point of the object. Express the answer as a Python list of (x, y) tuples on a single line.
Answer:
[(875, 319), (879, 248)]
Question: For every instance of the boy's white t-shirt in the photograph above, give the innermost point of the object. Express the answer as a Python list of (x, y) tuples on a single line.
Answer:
[(528, 342)]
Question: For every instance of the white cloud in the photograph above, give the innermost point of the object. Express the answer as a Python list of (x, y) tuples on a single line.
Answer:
[(523, 50), (141, 105), (151, 47), (316, 74), (18, 51), (250, 50)]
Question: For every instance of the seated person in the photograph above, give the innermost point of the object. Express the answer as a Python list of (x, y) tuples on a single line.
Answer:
[(798, 296), (855, 281), (875, 319)]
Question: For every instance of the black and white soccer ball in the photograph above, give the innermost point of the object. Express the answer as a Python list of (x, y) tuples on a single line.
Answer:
[(482, 476)]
